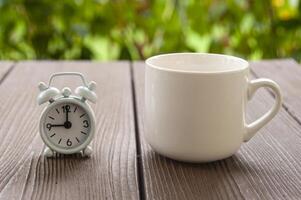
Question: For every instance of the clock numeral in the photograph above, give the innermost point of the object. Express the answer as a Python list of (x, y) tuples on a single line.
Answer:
[(48, 126), (69, 142), (66, 108), (86, 123)]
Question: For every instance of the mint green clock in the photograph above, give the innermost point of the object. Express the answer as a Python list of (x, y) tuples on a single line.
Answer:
[(67, 124)]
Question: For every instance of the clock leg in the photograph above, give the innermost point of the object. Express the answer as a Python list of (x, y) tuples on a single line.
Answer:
[(87, 151), (48, 152)]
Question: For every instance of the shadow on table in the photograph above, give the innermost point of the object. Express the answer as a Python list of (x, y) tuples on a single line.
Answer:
[(63, 169), (197, 179), (152, 156)]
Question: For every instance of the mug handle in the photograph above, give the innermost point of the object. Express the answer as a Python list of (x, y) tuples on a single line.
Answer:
[(254, 85)]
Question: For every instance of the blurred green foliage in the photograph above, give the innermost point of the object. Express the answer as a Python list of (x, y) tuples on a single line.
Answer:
[(120, 29)]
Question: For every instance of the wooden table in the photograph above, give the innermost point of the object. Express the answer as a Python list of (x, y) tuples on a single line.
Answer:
[(123, 166)]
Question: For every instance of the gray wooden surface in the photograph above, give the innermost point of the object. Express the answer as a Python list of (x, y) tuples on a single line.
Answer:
[(5, 68), (287, 73), (123, 165)]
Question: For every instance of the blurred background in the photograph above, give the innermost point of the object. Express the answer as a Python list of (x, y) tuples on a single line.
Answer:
[(119, 29)]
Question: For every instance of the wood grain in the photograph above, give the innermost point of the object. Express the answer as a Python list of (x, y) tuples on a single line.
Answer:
[(287, 73), (267, 167), (5, 66), (111, 171)]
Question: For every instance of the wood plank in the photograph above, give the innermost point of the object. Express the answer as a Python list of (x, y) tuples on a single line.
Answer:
[(111, 171), (5, 66), (267, 167), (287, 73)]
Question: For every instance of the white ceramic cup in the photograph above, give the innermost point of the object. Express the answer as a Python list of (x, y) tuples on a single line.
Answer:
[(195, 105)]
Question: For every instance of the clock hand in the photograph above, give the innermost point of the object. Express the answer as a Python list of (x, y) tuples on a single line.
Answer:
[(67, 123), (55, 125), (49, 126), (67, 108)]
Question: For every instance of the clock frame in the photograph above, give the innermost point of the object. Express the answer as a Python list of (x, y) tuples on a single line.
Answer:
[(69, 100)]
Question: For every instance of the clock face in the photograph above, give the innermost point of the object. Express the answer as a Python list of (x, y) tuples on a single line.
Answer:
[(67, 125)]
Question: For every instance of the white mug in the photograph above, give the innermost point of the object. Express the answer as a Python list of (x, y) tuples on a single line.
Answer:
[(195, 105)]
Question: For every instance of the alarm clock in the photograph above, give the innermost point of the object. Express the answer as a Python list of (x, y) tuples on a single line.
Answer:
[(67, 123)]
